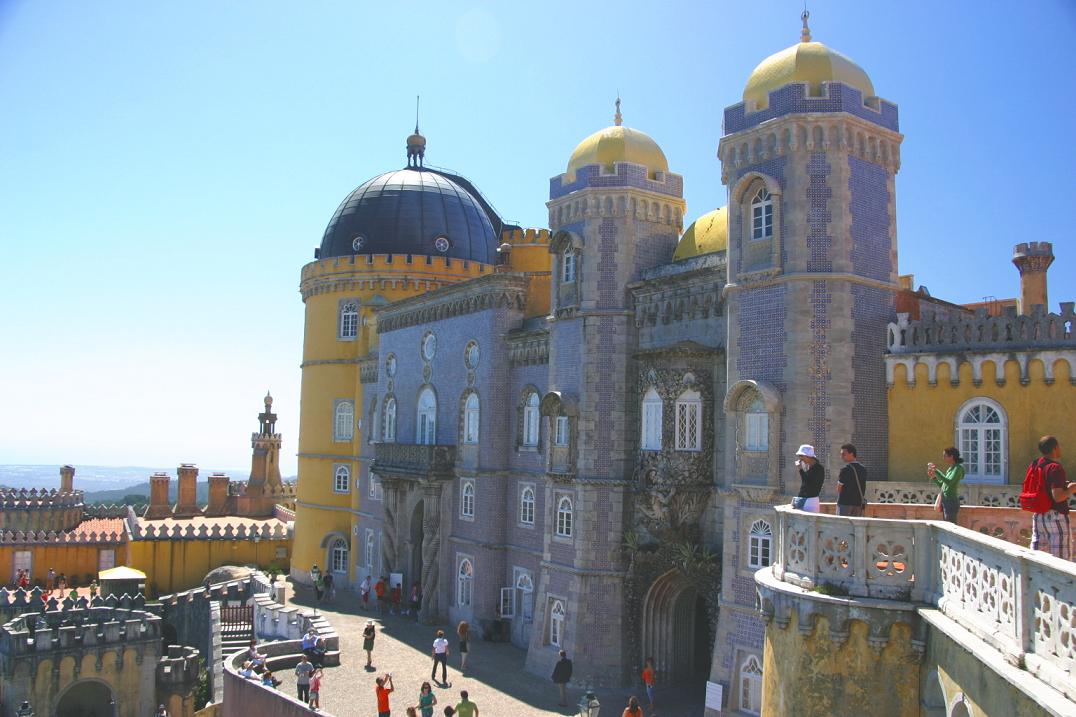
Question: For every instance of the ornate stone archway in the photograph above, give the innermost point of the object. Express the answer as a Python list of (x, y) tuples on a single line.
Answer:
[(86, 698), (670, 628)]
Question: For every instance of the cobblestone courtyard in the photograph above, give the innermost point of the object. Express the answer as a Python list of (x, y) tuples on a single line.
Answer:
[(495, 678)]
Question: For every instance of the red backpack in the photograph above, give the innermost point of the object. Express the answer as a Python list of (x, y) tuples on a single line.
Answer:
[(1034, 497)]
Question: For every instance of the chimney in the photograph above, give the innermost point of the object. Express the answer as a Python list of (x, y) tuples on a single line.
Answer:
[(67, 479), (218, 494), (159, 506), (187, 503), (1033, 259)]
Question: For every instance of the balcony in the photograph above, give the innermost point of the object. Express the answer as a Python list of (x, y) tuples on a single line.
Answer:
[(410, 460)]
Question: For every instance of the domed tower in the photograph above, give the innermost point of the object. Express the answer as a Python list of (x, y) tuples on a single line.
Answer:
[(399, 234), (810, 159)]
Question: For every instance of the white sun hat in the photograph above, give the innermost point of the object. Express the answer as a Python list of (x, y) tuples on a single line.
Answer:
[(806, 450)]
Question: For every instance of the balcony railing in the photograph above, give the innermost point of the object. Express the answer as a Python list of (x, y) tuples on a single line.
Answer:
[(1018, 600), (412, 458)]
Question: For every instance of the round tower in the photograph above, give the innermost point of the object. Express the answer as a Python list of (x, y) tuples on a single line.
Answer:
[(1032, 259)]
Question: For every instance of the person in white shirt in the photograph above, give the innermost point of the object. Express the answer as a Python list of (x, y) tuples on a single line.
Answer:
[(440, 654)]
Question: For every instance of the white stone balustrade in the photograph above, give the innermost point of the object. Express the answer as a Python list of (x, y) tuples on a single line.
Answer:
[(1020, 601)]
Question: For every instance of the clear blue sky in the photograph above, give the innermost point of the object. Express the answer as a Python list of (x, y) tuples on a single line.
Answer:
[(167, 168)]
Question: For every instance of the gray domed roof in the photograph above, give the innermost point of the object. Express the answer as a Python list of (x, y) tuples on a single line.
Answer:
[(407, 211)]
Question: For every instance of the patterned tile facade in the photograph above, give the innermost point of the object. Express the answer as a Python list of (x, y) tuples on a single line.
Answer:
[(793, 99)]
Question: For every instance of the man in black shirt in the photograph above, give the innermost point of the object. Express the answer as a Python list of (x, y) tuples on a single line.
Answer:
[(812, 475), (851, 484)]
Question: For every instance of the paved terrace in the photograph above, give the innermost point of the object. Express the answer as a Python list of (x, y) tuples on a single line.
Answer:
[(495, 677)]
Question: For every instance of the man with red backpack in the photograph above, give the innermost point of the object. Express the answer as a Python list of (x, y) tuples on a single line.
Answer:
[(1050, 527)]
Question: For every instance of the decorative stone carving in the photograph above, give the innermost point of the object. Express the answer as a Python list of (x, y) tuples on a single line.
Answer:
[(431, 549)]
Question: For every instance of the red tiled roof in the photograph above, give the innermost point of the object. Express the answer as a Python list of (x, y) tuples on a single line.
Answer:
[(99, 526)]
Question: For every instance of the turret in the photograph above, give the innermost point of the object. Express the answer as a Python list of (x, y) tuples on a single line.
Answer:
[(1032, 259)]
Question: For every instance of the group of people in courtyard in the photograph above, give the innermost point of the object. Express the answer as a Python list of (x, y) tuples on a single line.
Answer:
[(1050, 530)]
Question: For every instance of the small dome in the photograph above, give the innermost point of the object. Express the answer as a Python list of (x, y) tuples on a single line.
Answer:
[(411, 211), (618, 144), (806, 61), (707, 234)]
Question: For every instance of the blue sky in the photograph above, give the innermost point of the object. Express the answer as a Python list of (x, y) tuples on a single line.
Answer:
[(167, 168)]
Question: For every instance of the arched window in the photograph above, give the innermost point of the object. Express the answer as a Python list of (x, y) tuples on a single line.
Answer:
[(526, 506), (388, 431), (756, 427), (689, 421), (342, 479), (651, 423), (464, 579), (344, 421), (349, 319), (338, 556), (556, 623), (751, 686), (426, 420), (762, 215), (982, 434), (562, 434), (525, 597), (759, 544), (568, 275), (530, 419), (470, 419), (467, 499), (564, 517)]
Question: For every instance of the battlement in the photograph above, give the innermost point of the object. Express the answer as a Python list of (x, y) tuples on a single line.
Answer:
[(179, 668), (1009, 331), (286, 490), (517, 237), (794, 98), (38, 632), (228, 531), (393, 263), (284, 513), (30, 498), (624, 175), (1033, 248), (19, 537)]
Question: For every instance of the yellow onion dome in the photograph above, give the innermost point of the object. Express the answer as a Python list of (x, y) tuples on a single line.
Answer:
[(806, 61), (707, 234), (618, 144)]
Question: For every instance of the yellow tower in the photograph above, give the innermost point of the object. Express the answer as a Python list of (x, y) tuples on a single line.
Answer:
[(399, 234)]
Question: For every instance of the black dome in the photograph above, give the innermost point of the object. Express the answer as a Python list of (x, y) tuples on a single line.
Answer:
[(406, 211)]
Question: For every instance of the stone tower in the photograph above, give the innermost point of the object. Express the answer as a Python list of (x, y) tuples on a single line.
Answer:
[(1032, 259), (616, 211), (810, 159), (265, 461)]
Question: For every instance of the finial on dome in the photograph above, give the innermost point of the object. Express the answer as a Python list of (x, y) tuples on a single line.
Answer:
[(268, 399), (805, 33), (617, 119), (416, 143)]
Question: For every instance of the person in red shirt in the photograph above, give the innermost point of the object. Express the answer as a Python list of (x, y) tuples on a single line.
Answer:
[(384, 687), (1050, 530), (396, 595), (649, 677), (379, 591)]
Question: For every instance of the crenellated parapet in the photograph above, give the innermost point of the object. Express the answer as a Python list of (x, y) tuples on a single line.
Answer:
[(267, 530), (178, 670), (683, 291), (51, 537), (33, 497), (380, 272), (73, 631), (982, 332), (524, 237), (286, 491)]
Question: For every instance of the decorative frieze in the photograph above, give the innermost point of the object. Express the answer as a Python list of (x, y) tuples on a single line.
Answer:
[(527, 349), (495, 291)]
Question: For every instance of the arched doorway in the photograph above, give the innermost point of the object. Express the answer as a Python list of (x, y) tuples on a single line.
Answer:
[(88, 698), (417, 536), (675, 629)]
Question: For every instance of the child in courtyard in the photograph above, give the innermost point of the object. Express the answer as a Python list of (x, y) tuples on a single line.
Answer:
[(315, 689)]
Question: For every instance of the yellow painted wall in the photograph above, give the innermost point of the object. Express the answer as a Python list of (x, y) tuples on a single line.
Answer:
[(922, 418), (128, 683), (75, 561), (174, 565)]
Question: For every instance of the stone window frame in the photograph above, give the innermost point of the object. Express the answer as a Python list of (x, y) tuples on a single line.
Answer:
[(566, 293), (521, 579), (374, 431), (563, 520), (390, 409), (467, 414), (468, 493), (419, 413), (371, 549), (761, 221), (462, 580), (347, 324), (749, 681), (339, 553), (555, 623), (341, 469), (736, 401), (523, 410), (688, 402), (340, 416), (755, 409), (375, 491), (742, 198), (560, 459), (648, 441), (973, 475), (523, 488), (759, 541)]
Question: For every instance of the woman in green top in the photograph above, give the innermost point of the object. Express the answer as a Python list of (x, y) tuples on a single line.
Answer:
[(426, 700), (948, 476)]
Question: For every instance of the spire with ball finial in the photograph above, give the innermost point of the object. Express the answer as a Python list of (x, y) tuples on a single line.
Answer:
[(805, 33), (416, 143), (617, 119)]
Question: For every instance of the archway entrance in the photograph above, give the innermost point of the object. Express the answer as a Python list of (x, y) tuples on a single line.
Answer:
[(417, 536), (675, 630), (86, 699)]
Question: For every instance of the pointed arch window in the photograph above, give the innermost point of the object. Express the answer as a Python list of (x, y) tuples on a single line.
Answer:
[(426, 419), (526, 506), (569, 268), (349, 320), (341, 479), (759, 545), (471, 417), (467, 499), (343, 420), (565, 516), (388, 430), (464, 583), (762, 215), (338, 557), (530, 420), (689, 421), (651, 421), (982, 434), (556, 623), (751, 686)]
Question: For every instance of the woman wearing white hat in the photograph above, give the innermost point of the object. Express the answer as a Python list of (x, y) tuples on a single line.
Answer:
[(812, 475)]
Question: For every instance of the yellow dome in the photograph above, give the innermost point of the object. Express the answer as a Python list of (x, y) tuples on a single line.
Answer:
[(810, 62), (618, 144), (707, 234)]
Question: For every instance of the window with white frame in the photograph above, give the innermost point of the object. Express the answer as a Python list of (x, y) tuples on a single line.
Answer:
[(426, 419), (530, 419), (341, 479), (759, 544), (349, 319), (751, 686), (556, 623), (338, 556), (562, 434), (651, 423), (525, 588), (507, 606), (568, 275), (526, 505), (388, 429), (467, 498), (982, 436), (762, 215), (464, 583), (689, 421), (371, 547), (756, 427), (377, 491), (343, 420), (470, 419), (564, 517)]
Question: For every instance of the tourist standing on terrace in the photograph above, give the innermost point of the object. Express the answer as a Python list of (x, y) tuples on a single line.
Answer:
[(463, 631), (948, 476), (851, 484), (364, 592), (426, 700), (440, 655), (302, 678), (384, 687), (812, 475), (368, 635), (562, 675), (1050, 530)]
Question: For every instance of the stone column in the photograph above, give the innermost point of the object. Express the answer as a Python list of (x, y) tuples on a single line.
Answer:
[(431, 550), (389, 543)]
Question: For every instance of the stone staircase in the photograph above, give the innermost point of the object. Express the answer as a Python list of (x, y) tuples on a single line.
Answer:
[(236, 629)]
